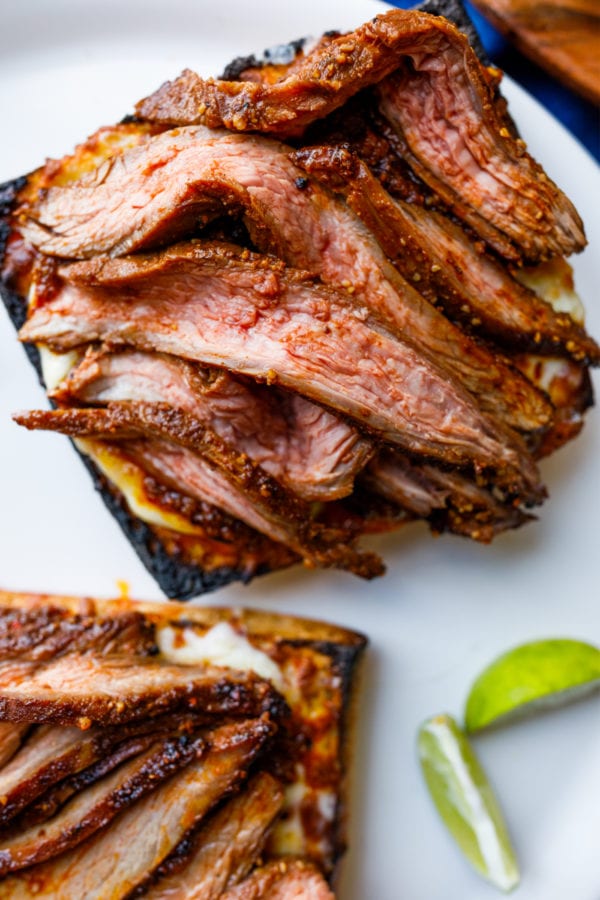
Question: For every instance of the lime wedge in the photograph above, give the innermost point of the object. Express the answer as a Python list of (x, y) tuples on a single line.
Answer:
[(465, 801), (532, 677)]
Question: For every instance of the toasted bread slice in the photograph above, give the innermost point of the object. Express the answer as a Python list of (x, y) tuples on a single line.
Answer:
[(311, 664)]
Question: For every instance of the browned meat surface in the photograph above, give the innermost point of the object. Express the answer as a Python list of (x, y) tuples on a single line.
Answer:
[(307, 226), (305, 447), (451, 501), (49, 803), (226, 476), (50, 753), (429, 77), (11, 736), (281, 880), (478, 168), (150, 829), (95, 807), (432, 251), (46, 633), (86, 689), (284, 329), (224, 850), (396, 478), (54, 753), (301, 222), (472, 510)]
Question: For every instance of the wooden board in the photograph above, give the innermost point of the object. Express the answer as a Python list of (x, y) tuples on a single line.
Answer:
[(563, 36)]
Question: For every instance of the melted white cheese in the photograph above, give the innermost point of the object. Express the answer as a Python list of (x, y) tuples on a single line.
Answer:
[(56, 366), (288, 837), (220, 646), (129, 479), (553, 281)]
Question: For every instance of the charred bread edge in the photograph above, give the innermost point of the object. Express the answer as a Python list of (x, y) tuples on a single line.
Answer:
[(343, 646), (175, 578)]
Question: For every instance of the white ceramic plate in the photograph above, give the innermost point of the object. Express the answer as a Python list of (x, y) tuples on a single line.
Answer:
[(447, 606)]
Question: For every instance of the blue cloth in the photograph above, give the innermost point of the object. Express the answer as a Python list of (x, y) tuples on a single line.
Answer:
[(579, 116)]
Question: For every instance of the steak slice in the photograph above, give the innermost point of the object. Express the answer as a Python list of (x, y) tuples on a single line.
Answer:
[(305, 447), (282, 328), (150, 829), (11, 737), (282, 880), (84, 689), (95, 807), (430, 249), (48, 804), (449, 500), (41, 634), (430, 77), (286, 214), (53, 753), (224, 850), (224, 476)]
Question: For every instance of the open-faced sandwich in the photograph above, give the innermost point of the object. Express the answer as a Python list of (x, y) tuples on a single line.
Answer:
[(320, 297), (170, 752)]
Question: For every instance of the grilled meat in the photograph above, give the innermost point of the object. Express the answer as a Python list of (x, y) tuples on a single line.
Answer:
[(53, 754), (36, 635), (303, 446), (151, 828), (224, 850), (282, 881), (428, 76), (84, 689), (373, 362), (449, 500), (435, 253), (311, 664), (305, 225), (11, 736), (49, 803), (94, 808), (285, 329)]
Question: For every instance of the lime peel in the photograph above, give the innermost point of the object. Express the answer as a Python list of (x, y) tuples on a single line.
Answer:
[(465, 801), (532, 677)]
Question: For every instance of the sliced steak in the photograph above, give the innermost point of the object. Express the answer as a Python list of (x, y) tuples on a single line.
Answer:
[(48, 804), (282, 328), (226, 477), (46, 633), (84, 689), (286, 214), (224, 850), (95, 807), (281, 880), (429, 77), (50, 753), (449, 500), (393, 476), (53, 753), (11, 737), (303, 446), (431, 250), (150, 830)]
